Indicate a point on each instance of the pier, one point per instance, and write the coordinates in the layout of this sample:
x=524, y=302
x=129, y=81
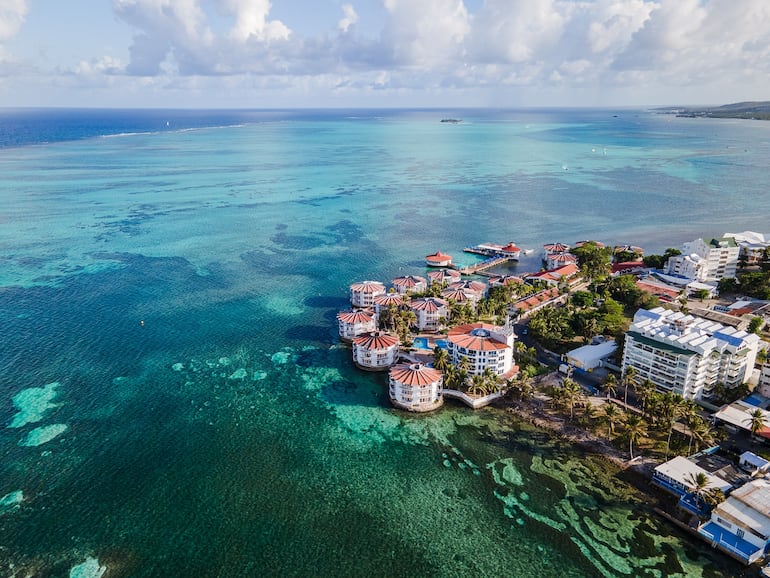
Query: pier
x=483, y=265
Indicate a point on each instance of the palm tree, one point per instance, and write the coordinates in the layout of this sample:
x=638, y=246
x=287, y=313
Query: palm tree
x=572, y=393
x=491, y=380
x=669, y=410
x=611, y=385
x=701, y=433
x=636, y=429
x=612, y=415
x=628, y=379
x=440, y=358
x=645, y=391
x=477, y=385
x=699, y=483
x=756, y=421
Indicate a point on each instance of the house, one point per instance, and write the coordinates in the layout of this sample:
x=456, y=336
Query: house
x=590, y=356
x=384, y=302
x=554, y=249
x=438, y=259
x=415, y=387
x=687, y=355
x=353, y=323
x=483, y=345
x=362, y=294
x=738, y=415
x=677, y=476
x=410, y=284
x=751, y=245
x=430, y=311
x=740, y=525
x=557, y=260
x=375, y=351
x=446, y=276
x=554, y=276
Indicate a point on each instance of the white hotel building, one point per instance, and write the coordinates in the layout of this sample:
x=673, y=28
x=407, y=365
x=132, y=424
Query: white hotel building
x=484, y=345
x=706, y=262
x=687, y=355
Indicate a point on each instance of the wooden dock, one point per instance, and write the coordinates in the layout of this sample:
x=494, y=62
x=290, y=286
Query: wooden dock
x=481, y=266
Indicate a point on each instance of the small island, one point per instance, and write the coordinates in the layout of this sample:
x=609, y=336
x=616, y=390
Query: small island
x=753, y=110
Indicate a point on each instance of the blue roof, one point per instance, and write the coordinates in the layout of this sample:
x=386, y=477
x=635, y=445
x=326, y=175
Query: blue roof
x=731, y=339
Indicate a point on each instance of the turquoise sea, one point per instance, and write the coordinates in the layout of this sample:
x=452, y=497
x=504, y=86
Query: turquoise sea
x=173, y=397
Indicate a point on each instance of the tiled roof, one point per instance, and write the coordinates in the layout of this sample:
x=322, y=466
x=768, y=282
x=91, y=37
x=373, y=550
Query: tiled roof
x=409, y=281
x=368, y=287
x=563, y=258
x=476, y=337
x=474, y=286
x=376, y=340
x=455, y=295
x=443, y=274
x=430, y=304
x=556, y=248
x=438, y=256
x=355, y=316
x=511, y=248
x=415, y=374
x=388, y=299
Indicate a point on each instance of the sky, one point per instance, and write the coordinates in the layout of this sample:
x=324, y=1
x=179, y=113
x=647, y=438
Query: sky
x=382, y=53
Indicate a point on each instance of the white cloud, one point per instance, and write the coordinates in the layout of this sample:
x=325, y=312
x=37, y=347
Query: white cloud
x=12, y=15
x=251, y=21
x=350, y=17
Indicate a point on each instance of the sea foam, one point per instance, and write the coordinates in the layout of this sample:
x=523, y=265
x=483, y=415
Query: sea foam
x=88, y=569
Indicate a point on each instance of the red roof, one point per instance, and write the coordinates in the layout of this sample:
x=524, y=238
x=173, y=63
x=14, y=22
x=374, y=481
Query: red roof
x=368, y=287
x=556, y=248
x=388, y=299
x=438, y=256
x=415, y=374
x=355, y=316
x=511, y=248
x=443, y=274
x=627, y=266
x=430, y=304
x=455, y=295
x=409, y=281
x=475, y=336
x=376, y=340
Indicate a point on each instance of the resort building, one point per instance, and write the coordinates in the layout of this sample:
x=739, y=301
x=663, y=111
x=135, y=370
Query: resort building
x=559, y=260
x=687, y=355
x=484, y=346
x=438, y=259
x=677, y=476
x=383, y=302
x=556, y=276
x=362, y=294
x=475, y=290
x=353, y=323
x=706, y=262
x=738, y=415
x=431, y=313
x=504, y=280
x=410, y=284
x=375, y=351
x=554, y=249
x=444, y=276
x=415, y=387
x=457, y=296
x=528, y=305
x=751, y=245
x=741, y=524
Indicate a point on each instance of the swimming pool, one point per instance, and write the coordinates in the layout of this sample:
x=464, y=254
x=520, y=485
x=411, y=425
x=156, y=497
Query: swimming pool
x=423, y=343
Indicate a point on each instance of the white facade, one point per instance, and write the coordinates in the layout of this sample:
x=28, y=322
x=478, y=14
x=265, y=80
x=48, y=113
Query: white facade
x=741, y=524
x=764, y=380
x=590, y=356
x=362, y=294
x=708, y=262
x=351, y=324
x=687, y=355
x=415, y=387
x=752, y=245
x=430, y=312
x=410, y=284
x=484, y=346
x=375, y=351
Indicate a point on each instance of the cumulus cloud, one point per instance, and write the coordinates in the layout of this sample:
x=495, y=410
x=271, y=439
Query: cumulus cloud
x=350, y=17
x=448, y=43
x=12, y=15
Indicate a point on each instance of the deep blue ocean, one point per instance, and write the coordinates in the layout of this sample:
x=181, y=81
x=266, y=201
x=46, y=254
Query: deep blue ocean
x=174, y=400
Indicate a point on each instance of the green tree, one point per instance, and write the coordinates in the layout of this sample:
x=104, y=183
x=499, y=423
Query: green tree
x=440, y=358
x=611, y=385
x=611, y=416
x=572, y=394
x=645, y=391
x=477, y=385
x=594, y=261
x=635, y=430
x=756, y=421
x=629, y=378
x=755, y=325
x=659, y=261
x=699, y=483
